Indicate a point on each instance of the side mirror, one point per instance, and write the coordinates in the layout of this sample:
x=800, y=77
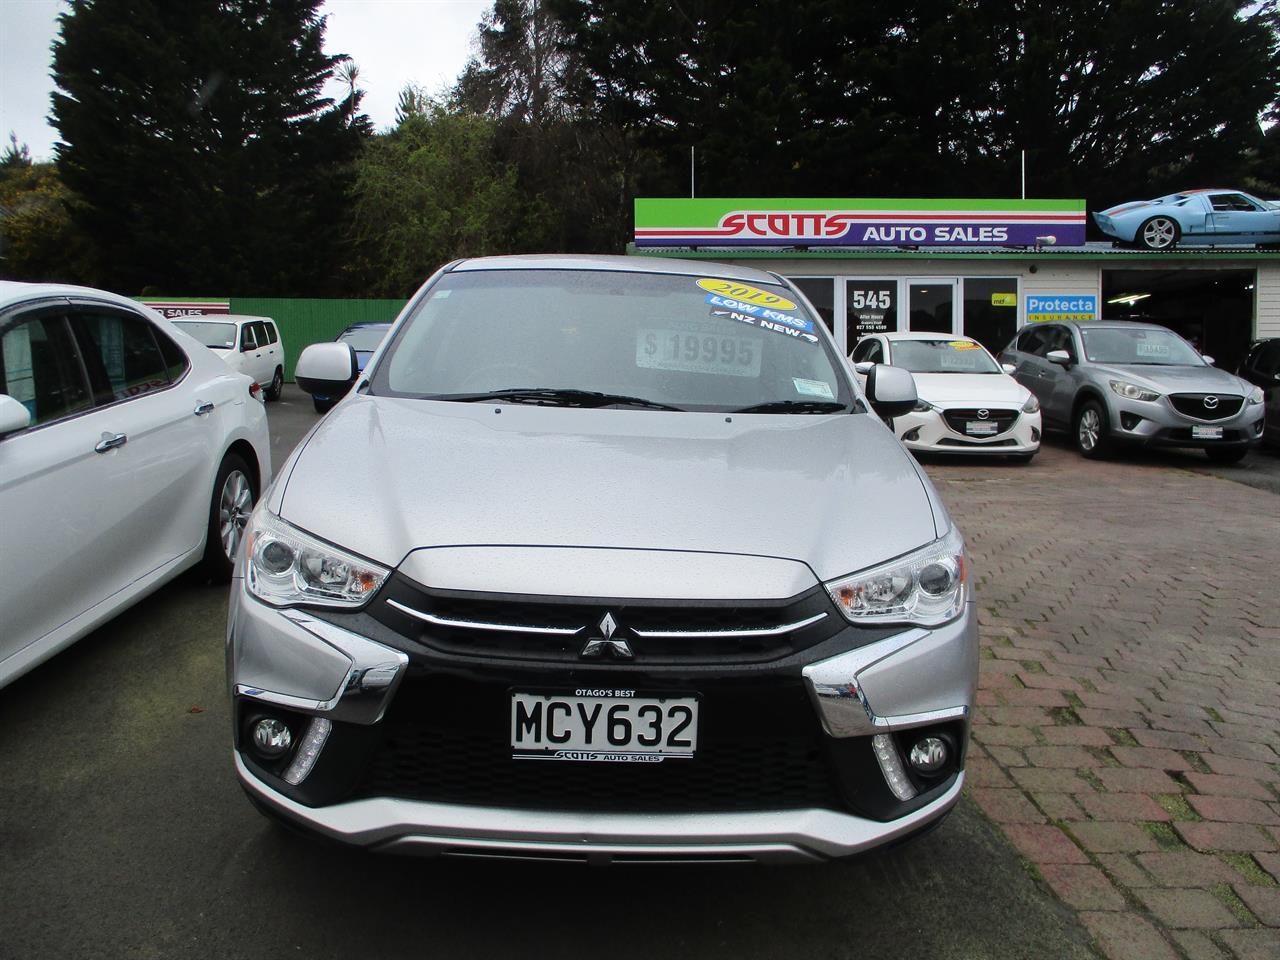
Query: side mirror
x=891, y=391
x=14, y=416
x=328, y=369
x=1060, y=357
x=1009, y=368
x=1207, y=359
x=863, y=367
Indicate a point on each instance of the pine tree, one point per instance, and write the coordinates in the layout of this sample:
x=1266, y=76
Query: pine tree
x=200, y=143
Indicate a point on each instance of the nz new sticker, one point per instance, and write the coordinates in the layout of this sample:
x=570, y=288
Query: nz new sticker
x=765, y=313
x=747, y=294
x=762, y=322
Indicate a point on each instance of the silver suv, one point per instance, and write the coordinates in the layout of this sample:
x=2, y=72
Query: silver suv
x=1112, y=383
x=603, y=559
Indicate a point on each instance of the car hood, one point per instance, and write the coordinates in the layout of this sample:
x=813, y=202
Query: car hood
x=385, y=476
x=970, y=389
x=1177, y=379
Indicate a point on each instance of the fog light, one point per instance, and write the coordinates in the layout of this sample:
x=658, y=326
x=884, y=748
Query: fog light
x=1035, y=435
x=271, y=737
x=912, y=435
x=928, y=755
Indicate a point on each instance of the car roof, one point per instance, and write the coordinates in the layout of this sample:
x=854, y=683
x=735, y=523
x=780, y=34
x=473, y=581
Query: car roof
x=617, y=264
x=891, y=336
x=1111, y=325
x=228, y=317
x=14, y=292
x=366, y=323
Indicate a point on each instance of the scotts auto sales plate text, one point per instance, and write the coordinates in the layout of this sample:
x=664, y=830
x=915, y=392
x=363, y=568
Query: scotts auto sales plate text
x=602, y=725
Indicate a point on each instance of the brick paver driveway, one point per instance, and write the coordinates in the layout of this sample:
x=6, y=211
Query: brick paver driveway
x=1129, y=713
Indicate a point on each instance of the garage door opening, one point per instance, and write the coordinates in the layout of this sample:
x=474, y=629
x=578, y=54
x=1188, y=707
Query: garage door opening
x=1213, y=309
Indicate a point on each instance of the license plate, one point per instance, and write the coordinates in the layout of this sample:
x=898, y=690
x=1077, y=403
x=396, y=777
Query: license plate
x=602, y=725
x=1206, y=433
x=981, y=428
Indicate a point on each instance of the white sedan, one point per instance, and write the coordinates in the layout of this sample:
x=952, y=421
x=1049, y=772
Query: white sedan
x=968, y=403
x=128, y=453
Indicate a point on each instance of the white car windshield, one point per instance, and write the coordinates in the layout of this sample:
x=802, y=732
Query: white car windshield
x=559, y=336
x=942, y=356
x=220, y=336
x=1138, y=346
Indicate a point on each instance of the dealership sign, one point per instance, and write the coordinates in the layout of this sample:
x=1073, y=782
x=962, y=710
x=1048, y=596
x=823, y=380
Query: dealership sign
x=738, y=222
x=187, y=307
x=1062, y=306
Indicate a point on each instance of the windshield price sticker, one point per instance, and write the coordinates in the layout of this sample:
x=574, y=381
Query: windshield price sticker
x=683, y=351
x=746, y=294
x=1151, y=349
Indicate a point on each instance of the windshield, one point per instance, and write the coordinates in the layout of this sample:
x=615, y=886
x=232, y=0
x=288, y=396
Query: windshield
x=219, y=335
x=363, y=339
x=942, y=356
x=1138, y=346
x=693, y=343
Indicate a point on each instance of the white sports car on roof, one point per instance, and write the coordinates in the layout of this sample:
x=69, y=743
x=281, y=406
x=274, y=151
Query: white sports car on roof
x=968, y=403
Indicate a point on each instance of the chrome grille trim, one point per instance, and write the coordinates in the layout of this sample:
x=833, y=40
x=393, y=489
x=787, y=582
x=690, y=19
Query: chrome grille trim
x=480, y=625
x=711, y=634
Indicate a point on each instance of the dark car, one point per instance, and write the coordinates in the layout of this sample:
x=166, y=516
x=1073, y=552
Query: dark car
x=364, y=339
x=1261, y=367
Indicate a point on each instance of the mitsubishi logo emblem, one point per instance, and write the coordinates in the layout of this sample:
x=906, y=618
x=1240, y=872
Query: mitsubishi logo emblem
x=983, y=414
x=597, y=646
x=1211, y=402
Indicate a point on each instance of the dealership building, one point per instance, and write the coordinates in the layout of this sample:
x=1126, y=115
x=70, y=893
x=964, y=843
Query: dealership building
x=976, y=268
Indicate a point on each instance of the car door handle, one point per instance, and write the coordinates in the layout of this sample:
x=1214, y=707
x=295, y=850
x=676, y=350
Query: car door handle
x=110, y=442
x=203, y=408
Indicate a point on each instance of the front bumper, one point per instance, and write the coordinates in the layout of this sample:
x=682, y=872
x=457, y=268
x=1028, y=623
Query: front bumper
x=289, y=660
x=928, y=432
x=1157, y=424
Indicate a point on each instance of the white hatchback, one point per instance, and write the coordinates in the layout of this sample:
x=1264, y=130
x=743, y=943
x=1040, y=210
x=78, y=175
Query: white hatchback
x=128, y=453
x=968, y=403
x=248, y=345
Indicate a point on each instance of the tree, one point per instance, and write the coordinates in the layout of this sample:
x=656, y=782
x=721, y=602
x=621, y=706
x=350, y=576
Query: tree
x=904, y=97
x=432, y=190
x=37, y=238
x=198, y=138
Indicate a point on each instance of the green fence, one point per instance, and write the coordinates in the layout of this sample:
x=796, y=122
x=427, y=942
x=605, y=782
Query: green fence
x=304, y=322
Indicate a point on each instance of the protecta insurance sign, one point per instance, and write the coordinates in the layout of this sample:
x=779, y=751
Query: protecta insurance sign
x=754, y=222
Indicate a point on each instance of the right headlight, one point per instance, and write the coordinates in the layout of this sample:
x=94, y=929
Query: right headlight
x=922, y=406
x=286, y=566
x=1256, y=396
x=1131, y=391
x=1032, y=405
x=927, y=587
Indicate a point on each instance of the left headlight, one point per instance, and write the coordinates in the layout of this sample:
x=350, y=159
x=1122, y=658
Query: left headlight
x=926, y=587
x=1256, y=396
x=284, y=566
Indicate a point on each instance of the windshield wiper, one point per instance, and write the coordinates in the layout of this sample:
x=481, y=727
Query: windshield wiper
x=556, y=396
x=796, y=406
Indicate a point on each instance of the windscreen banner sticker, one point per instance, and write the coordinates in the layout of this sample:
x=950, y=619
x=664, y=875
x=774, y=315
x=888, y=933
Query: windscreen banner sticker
x=964, y=345
x=799, y=323
x=740, y=291
x=813, y=388
x=761, y=322
x=684, y=351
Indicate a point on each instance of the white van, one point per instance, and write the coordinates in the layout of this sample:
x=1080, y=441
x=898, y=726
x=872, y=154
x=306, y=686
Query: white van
x=249, y=345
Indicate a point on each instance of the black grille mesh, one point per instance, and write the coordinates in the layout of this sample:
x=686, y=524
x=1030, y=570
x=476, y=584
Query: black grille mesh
x=1004, y=419
x=448, y=741
x=1193, y=405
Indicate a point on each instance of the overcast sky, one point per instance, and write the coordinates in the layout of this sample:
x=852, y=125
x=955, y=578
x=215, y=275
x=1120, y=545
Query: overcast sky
x=394, y=42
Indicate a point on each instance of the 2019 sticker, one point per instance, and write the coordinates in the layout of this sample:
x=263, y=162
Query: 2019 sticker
x=964, y=345
x=745, y=293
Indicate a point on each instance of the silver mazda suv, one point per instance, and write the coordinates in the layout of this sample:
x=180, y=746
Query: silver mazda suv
x=603, y=559
x=1119, y=382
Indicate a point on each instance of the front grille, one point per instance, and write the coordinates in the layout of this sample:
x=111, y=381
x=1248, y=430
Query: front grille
x=556, y=629
x=954, y=442
x=957, y=419
x=448, y=740
x=1194, y=405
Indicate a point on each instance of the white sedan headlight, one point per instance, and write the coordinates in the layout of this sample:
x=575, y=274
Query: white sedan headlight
x=1032, y=405
x=927, y=587
x=923, y=406
x=1131, y=391
x=1256, y=396
x=285, y=566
